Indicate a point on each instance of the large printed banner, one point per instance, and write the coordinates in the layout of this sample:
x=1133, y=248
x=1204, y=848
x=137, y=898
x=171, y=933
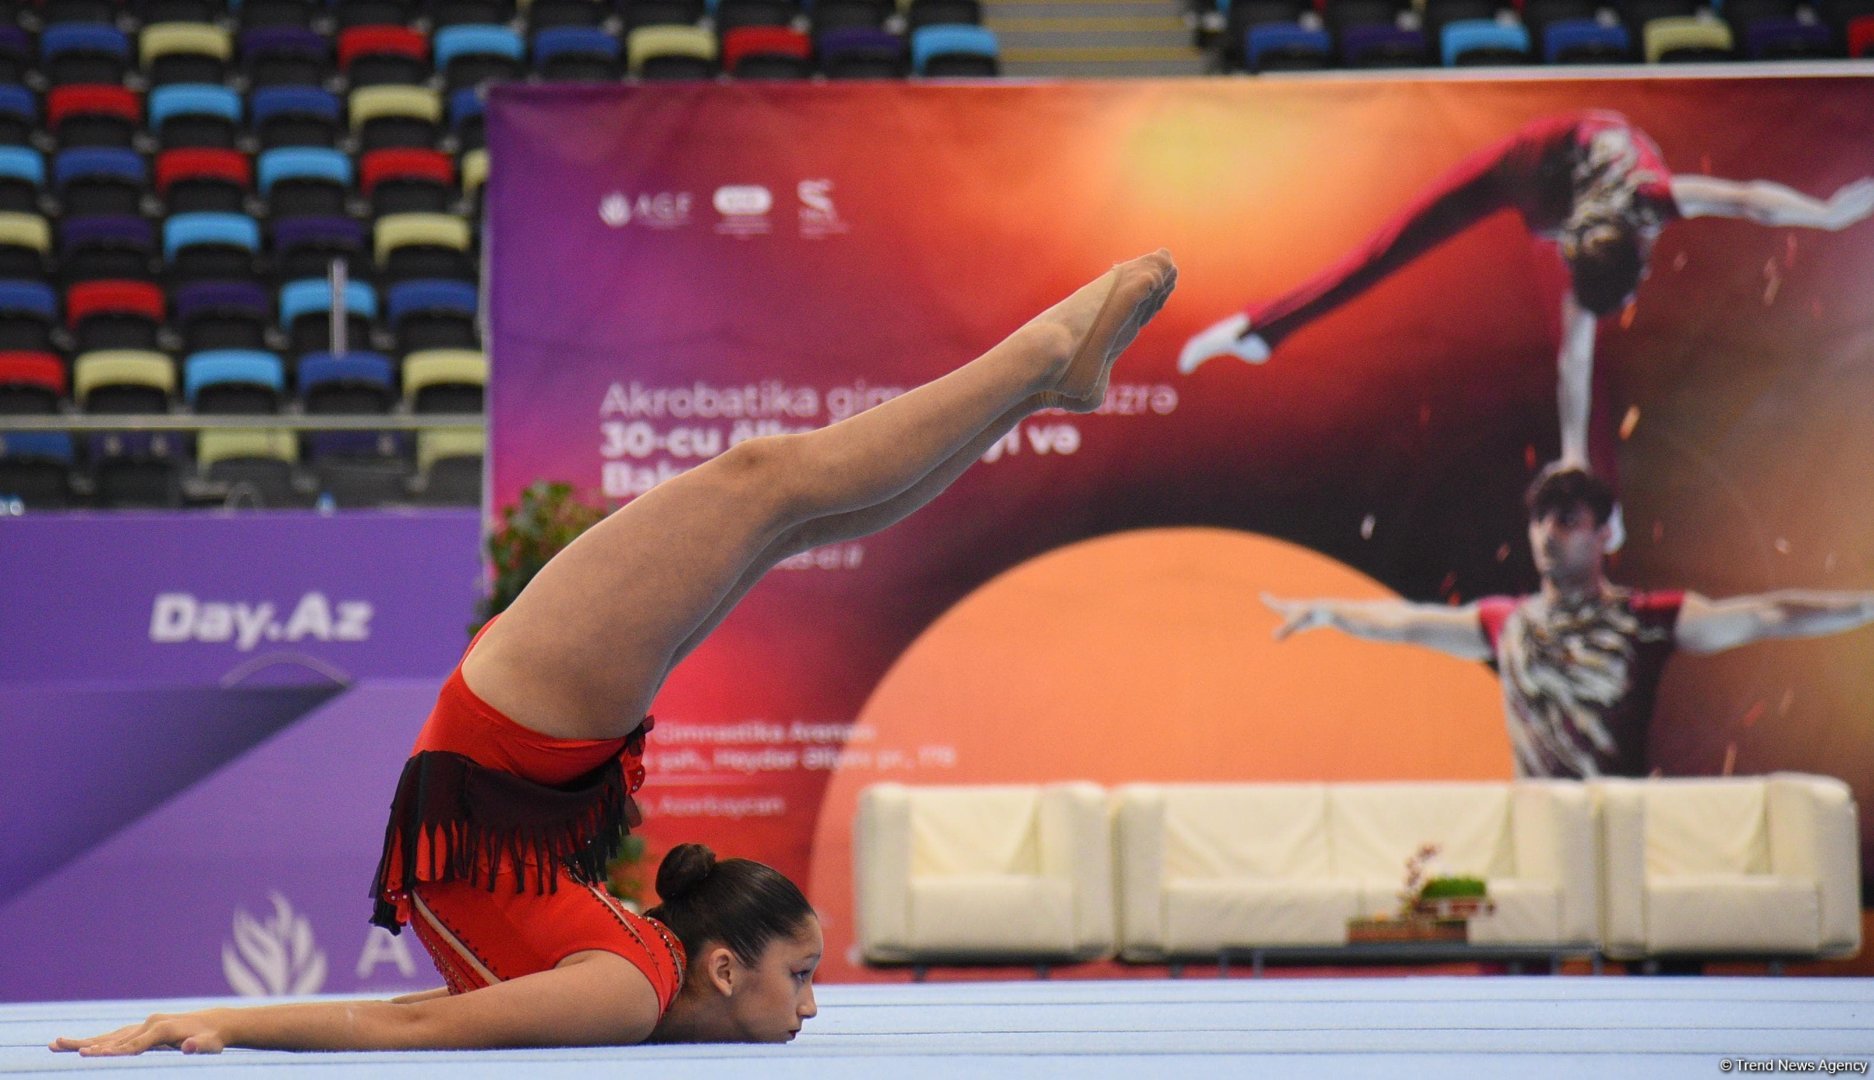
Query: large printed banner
x=201, y=719
x=675, y=269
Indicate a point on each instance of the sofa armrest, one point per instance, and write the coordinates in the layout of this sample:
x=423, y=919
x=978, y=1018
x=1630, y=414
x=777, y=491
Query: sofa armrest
x=1553, y=835
x=1813, y=837
x=881, y=852
x=1622, y=808
x=1076, y=847
x=1139, y=850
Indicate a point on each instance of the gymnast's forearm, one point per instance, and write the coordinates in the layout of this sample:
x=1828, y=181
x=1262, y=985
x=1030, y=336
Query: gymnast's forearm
x=1809, y=613
x=336, y=1025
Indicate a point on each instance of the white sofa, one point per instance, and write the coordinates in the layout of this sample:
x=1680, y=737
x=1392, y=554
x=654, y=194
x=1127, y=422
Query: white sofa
x=1205, y=868
x=989, y=874
x=1730, y=867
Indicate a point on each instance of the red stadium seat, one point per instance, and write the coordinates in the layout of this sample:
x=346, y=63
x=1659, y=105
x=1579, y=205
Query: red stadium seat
x=1860, y=35
x=202, y=179
x=400, y=180
x=767, y=51
x=30, y=382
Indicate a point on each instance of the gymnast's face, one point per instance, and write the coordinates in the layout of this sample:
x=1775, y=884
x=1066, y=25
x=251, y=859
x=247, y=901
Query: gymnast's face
x=1567, y=545
x=771, y=1000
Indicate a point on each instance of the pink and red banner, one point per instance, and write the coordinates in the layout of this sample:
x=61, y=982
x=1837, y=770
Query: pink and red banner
x=675, y=269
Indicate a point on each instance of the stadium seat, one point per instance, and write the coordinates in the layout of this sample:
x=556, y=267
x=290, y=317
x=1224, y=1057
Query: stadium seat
x=357, y=382
x=1344, y=15
x=859, y=53
x=830, y=15
x=553, y=14
x=1789, y=39
x=409, y=246
x=233, y=381
x=54, y=12
x=469, y=55
x=74, y=54
x=670, y=53
x=119, y=246
x=28, y=312
x=147, y=12
x=1539, y=15
x=285, y=56
x=92, y=180
x=305, y=313
x=445, y=380
x=306, y=247
x=93, y=115
x=731, y=15
x=383, y=56
x=123, y=381
x=924, y=13
x=19, y=112
x=1438, y=14
x=303, y=181
x=210, y=246
x=221, y=315
x=1483, y=44
x=204, y=180
x=348, y=14
x=385, y=116
x=255, y=464
x=431, y=314
x=1739, y=14
x=574, y=54
x=465, y=118
x=31, y=383
x=444, y=14
x=1385, y=46
x=1686, y=40
x=294, y=116
x=114, y=314
x=1279, y=47
x=1585, y=41
x=955, y=51
x=449, y=466
x=474, y=175
x=643, y=13
x=25, y=243
x=22, y=179
x=1860, y=34
x=1635, y=14
x=187, y=115
x=767, y=52
x=36, y=468
x=16, y=55
x=273, y=14
x=185, y=53
x=398, y=181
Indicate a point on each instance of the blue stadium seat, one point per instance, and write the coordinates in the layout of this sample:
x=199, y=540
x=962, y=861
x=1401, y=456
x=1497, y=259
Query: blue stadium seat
x=113, y=246
x=35, y=468
x=1485, y=41
x=311, y=296
x=432, y=314
x=304, y=181
x=1789, y=39
x=93, y=180
x=306, y=247
x=285, y=56
x=1382, y=46
x=574, y=52
x=860, y=52
x=184, y=231
x=16, y=55
x=22, y=178
x=294, y=116
x=954, y=50
x=28, y=312
x=357, y=382
x=221, y=314
x=72, y=54
x=1280, y=46
x=19, y=112
x=223, y=381
x=204, y=115
x=470, y=55
x=1585, y=41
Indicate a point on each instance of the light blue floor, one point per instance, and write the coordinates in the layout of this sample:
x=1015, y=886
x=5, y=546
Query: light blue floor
x=1566, y=1026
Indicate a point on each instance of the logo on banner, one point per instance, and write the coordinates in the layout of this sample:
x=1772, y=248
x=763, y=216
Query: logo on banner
x=275, y=956
x=818, y=217
x=181, y=617
x=744, y=209
x=656, y=210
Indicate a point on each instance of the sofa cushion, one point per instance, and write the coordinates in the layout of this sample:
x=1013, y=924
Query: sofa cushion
x=1202, y=917
x=974, y=831
x=1527, y=913
x=990, y=914
x=1725, y=913
x=1377, y=827
x=1712, y=827
x=1243, y=831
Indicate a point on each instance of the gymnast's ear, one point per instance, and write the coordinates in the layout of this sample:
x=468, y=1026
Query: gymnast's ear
x=720, y=969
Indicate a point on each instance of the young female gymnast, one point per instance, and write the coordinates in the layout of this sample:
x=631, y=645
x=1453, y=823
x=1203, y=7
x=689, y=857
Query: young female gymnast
x=527, y=765
x=1592, y=183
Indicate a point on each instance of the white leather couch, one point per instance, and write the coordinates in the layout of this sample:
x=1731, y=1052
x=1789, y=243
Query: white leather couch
x=1209, y=867
x=988, y=874
x=1728, y=867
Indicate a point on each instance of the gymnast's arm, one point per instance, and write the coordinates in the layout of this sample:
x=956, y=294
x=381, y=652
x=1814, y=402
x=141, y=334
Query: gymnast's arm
x=592, y=999
x=1707, y=626
x=1455, y=630
x=1768, y=203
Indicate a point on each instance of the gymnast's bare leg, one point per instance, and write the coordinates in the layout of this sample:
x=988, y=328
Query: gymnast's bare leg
x=586, y=645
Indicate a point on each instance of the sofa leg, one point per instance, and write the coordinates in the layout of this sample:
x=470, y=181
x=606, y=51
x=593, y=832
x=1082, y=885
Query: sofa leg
x=918, y=971
x=1223, y=965
x=1042, y=971
x=1776, y=968
x=1177, y=970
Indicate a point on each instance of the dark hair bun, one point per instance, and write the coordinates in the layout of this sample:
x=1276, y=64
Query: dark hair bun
x=683, y=869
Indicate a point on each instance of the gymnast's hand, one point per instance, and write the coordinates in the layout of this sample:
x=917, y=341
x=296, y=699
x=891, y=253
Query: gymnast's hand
x=1297, y=615
x=1851, y=203
x=192, y=1033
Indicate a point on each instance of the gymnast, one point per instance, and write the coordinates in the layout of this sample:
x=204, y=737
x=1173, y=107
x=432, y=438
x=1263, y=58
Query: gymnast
x=1591, y=182
x=521, y=781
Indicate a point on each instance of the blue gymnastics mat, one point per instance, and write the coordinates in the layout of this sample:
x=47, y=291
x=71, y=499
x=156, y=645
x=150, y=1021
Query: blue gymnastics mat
x=1506, y=1026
